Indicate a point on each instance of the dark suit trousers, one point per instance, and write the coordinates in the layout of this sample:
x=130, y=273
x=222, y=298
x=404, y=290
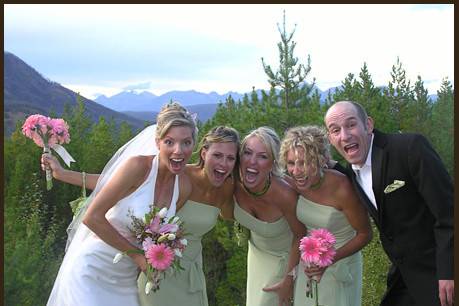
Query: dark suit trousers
x=397, y=293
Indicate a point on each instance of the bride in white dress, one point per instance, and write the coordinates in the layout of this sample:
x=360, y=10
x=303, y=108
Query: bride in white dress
x=146, y=170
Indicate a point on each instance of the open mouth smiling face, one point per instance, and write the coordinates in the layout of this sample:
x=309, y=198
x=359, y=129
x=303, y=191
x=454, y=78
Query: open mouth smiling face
x=348, y=134
x=296, y=168
x=256, y=164
x=176, y=147
x=220, y=159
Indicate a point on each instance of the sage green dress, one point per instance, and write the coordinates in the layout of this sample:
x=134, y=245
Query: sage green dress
x=341, y=284
x=267, y=258
x=185, y=287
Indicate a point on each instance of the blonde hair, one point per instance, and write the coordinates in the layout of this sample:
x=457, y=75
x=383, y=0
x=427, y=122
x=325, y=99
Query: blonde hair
x=272, y=142
x=174, y=114
x=218, y=134
x=313, y=140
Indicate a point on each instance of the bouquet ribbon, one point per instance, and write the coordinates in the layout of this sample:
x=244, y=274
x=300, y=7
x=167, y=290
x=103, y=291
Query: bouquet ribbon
x=62, y=152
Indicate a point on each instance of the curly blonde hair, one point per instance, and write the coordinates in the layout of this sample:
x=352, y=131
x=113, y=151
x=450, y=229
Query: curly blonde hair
x=174, y=114
x=313, y=140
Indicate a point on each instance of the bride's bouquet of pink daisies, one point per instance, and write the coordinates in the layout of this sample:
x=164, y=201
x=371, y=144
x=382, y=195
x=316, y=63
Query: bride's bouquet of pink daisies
x=48, y=133
x=163, y=243
x=317, y=249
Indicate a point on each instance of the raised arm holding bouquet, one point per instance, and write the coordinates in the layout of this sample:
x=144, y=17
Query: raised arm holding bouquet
x=48, y=133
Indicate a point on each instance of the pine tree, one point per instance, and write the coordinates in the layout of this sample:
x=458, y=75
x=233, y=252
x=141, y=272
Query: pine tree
x=125, y=134
x=79, y=127
x=367, y=90
x=373, y=101
x=421, y=109
x=442, y=131
x=290, y=76
x=100, y=146
x=400, y=95
x=348, y=91
x=254, y=97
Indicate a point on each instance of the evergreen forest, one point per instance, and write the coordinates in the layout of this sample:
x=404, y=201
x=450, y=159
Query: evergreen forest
x=35, y=220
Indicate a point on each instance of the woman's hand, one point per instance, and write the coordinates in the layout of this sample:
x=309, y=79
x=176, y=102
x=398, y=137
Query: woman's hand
x=314, y=272
x=139, y=260
x=284, y=291
x=50, y=162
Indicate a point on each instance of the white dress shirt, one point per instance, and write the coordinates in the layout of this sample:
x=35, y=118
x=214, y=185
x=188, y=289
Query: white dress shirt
x=363, y=175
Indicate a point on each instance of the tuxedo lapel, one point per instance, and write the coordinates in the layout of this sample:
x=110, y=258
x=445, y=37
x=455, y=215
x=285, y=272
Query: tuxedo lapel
x=378, y=166
x=363, y=196
x=377, y=174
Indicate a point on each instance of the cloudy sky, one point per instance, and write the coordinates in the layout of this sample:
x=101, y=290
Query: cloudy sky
x=104, y=49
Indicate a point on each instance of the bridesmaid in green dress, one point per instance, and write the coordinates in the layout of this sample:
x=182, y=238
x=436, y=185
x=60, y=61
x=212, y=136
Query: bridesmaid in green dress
x=326, y=200
x=211, y=196
x=265, y=204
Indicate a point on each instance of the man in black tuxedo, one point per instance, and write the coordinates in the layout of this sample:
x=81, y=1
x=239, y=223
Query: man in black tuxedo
x=409, y=195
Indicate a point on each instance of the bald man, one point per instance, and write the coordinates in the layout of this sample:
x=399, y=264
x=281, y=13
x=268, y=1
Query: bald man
x=409, y=194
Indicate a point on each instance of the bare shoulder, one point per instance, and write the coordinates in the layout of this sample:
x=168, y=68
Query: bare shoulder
x=340, y=185
x=189, y=169
x=185, y=185
x=137, y=166
x=140, y=161
x=282, y=189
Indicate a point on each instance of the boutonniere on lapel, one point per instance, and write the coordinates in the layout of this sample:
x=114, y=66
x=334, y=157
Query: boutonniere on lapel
x=394, y=186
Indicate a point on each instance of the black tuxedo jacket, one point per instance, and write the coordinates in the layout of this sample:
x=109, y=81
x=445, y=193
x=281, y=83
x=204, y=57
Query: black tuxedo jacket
x=415, y=221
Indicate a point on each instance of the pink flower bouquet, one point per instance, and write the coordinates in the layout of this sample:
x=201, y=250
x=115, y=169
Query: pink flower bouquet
x=317, y=249
x=163, y=243
x=48, y=133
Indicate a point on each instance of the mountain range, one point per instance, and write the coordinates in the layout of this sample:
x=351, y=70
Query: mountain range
x=146, y=101
x=27, y=92
x=143, y=104
x=134, y=101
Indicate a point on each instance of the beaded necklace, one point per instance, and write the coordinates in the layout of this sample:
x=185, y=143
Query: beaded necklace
x=259, y=193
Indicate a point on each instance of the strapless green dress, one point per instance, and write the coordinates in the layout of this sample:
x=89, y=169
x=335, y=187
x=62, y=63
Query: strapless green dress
x=185, y=287
x=267, y=258
x=341, y=284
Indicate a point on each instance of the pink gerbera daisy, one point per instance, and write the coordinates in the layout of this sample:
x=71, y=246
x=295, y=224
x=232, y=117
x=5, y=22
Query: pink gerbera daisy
x=324, y=235
x=326, y=258
x=310, y=249
x=160, y=256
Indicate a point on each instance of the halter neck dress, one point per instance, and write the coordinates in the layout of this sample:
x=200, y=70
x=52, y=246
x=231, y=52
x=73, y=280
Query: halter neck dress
x=91, y=278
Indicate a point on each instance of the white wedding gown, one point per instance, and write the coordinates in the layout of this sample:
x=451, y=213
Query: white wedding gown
x=89, y=277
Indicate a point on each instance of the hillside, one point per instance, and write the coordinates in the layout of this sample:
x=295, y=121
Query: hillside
x=27, y=92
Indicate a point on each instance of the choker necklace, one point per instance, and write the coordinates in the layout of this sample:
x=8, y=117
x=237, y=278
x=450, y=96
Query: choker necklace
x=317, y=185
x=259, y=193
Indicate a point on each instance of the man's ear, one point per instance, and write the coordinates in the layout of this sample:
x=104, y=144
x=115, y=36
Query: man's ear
x=370, y=125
